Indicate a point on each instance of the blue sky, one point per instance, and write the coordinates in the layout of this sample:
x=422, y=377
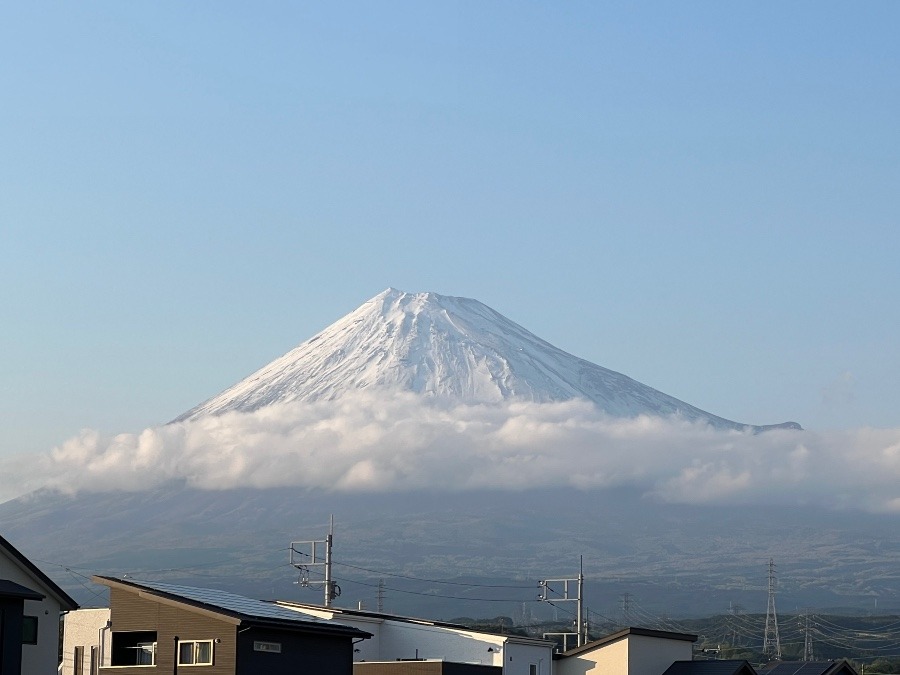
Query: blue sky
x=703, y=196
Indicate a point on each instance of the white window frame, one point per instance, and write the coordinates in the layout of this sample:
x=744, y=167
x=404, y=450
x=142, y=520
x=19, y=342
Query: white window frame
x=146, y=648
x=195, y=652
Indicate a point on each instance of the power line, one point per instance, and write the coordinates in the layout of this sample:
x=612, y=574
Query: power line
x=431, y=581
x=433, y=595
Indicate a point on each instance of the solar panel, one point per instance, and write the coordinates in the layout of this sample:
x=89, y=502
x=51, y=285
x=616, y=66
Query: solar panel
x=230, y=602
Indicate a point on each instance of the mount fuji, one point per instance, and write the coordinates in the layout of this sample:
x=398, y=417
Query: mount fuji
x=446, y=348
x=449, y=349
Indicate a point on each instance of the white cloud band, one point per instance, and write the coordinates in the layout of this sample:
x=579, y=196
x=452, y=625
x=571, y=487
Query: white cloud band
x=379, y=442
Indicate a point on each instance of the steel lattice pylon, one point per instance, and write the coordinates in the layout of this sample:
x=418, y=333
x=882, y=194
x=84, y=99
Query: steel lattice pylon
x=771, y=640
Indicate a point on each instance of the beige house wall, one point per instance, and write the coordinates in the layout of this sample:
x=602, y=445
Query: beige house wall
x=652, y=656
x=611, y=659
x=631, y=655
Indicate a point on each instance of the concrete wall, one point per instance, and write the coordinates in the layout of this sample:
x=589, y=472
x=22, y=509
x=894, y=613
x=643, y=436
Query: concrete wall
x=81, y=628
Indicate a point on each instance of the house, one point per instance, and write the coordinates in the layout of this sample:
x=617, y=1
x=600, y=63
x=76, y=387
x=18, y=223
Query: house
x=839, y=667
x=408, y=645
x=175, y=627
x=632, y=651
x=30, y=607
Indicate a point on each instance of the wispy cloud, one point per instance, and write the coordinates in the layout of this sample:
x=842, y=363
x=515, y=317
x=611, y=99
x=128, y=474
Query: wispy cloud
x=378, y=442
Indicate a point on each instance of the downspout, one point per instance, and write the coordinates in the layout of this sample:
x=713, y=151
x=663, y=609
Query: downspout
x=102, y=645
x=356, y=642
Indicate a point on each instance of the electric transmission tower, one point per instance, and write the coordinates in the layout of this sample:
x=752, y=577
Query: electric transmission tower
x=380, y=596
x=771, y=640
x=807, y=642
x=626, y=609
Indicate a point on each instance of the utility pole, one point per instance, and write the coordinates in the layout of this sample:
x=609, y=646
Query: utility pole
x=565, y=596
x=581, y=624
x=329, y=584
x=771, y=639
x=316, y=554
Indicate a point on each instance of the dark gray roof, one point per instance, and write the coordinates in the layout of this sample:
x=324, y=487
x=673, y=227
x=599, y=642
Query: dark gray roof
x=728, y=667
x=233, y=605
x=63, y=598
x=10, y=589
x=363, y=613
x=625, y=632
x=376, y=615
x=841, y=666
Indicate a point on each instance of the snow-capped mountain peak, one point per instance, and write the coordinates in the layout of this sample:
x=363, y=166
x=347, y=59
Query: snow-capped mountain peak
x=446, y=347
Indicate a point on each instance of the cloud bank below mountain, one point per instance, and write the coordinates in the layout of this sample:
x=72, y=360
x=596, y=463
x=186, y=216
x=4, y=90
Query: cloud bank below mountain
x=379, y=442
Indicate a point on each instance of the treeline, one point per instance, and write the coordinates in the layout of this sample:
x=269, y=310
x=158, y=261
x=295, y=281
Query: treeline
x=872, y=644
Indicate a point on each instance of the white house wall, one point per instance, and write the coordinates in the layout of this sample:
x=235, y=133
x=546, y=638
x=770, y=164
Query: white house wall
x=396, y=639
x=41, y=658
x=403, y=640
x=518, y=658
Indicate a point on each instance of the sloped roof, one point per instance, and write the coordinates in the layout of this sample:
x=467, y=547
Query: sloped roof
x=381, y=616
x=625, y=632
x=10, y=589
x=725, y=667
x=231, y=605
x=839, y=667
x=372, y=615
x=66, y=603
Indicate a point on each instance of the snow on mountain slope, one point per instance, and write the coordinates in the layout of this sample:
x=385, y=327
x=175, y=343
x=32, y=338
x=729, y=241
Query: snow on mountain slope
x=443, y=347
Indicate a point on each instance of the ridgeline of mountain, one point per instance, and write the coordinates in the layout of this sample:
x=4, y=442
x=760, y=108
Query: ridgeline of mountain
x=444, y=347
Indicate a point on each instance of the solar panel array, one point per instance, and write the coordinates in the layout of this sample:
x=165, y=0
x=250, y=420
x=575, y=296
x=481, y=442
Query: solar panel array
x=230, y=602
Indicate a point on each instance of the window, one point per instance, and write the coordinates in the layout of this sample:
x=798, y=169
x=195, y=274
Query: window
x=146, y=653
x=134, y=648
x=79, y=660
x=532, y=669
x=29, y=630
x=195, y=652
